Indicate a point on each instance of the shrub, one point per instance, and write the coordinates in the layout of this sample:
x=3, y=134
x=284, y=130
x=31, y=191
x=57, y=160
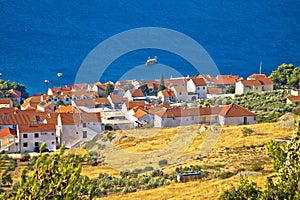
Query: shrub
x=256, y=167
x=247, y=131
x=148, y=168
x=163, y=163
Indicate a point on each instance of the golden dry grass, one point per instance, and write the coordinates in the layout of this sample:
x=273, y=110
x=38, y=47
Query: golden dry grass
x=209, y=189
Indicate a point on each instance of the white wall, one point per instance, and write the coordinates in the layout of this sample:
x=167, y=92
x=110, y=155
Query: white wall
x=236, y=120
x=48, y=137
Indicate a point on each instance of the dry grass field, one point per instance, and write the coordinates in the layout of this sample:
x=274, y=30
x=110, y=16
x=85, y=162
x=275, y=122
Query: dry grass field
x=225, y=150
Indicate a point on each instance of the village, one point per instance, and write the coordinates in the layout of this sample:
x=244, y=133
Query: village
x=74, y=114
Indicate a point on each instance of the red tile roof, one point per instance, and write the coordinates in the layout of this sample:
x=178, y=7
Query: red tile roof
x=64, y=109
x=257, y=76
x=214, y=90
x=116, y=98
x=8, y=131
x=77, y=118
x=251, y=83
x=234, y=110
x=137, y=93
x=131, y=104
x=31, y=128
x=294, y=98
x=266, y=81
x=198, y=81
x=140, y=113
x=5, y=100
x=168, y=93
x=225, y=80
x=184, y=112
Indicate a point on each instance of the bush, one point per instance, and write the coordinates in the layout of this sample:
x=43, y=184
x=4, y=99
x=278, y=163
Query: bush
x=163, y=163
x=247, y=131
x=148, y=168
x=246, y=190
x=256, y=167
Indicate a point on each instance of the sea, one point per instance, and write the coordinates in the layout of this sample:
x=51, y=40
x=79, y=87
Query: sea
x=39, y=39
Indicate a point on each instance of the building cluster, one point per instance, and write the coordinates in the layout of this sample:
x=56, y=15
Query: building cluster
x=74, y=114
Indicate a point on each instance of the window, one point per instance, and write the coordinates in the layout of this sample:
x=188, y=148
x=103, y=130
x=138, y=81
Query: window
x=36, y=135
x=84, y=124
x=52, y=133
x=203, y=88
x=67, y=99
x=179, y=93
x=193, y=118
x=52, y=142
x=25, y=135
x=198, y=88
x=84, y=134
x=25, y=144
x=36, y=144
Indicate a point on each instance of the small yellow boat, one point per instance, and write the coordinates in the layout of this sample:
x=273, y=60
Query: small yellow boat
x=59, y=74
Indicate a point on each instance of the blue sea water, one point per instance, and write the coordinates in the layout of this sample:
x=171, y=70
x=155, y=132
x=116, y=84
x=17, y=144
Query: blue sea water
x=38, y=39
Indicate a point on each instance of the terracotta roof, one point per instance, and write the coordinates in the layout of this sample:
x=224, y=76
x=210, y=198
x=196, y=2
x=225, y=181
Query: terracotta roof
x=31, y=128
x=294, y=98
x=257, y=76
x=5, y=100
x=225, y=80
x=140, y=113
x=131, y=104
x=234, y=110
x=84, y=102
x=77, y=118
x=168, y=93
x=116, y=98
x=102, y=101
x=180, y=88
x=251, y=83
x=198, y=81
x=214, y=90
x=64, y=109
x=15, y=93
x=9, y=110
x=10, y=119
x=175, y=82
x=266, y=81
x=136, y=93
x=153, y=86
x=184, y=112
x=8, y=131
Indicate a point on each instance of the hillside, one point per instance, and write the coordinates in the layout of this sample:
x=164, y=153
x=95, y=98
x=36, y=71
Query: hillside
x=231, y=153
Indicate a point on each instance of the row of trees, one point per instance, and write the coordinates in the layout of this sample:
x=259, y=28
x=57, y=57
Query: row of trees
x=284, y=184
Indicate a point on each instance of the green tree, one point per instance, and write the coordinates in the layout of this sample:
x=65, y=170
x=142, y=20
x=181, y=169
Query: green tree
x=161, y=83
x=54, y=176
x=109, y=89
x=145, y=89
x=277, y=154
x=282, y=75
x=247, y=190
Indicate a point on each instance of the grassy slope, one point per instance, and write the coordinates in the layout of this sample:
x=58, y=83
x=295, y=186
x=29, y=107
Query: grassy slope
x=233, y=152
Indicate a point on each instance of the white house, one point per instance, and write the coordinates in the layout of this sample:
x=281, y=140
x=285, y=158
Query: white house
x=46, y=107
x=167, y=96
x=8, y=140
x=33, y=135
x=180, y=116
x=133, y=94
x=234, y=114
x=76, y=128
x=197, y=86
x=181, y=93
x=292, y=99
x=255, y=83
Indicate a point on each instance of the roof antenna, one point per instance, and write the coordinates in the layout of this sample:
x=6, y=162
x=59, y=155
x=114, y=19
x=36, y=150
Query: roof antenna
x=260, y=67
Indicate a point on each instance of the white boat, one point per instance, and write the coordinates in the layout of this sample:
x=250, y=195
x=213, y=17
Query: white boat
x=151, y=61
x=59, y=74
